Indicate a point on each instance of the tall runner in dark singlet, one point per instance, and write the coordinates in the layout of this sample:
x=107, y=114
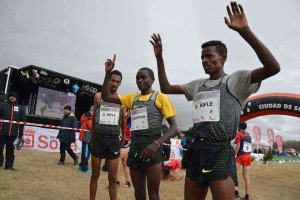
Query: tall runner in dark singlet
x=217, y=103
x=105, y=139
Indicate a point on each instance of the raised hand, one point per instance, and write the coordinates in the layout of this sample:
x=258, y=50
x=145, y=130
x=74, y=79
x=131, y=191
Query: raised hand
x=157, y=45
x=110, y=64
x=237, y=19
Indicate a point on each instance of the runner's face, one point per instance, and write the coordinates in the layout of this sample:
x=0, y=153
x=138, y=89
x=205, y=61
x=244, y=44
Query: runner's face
x=212, y=61
x=143, y=80
x=114, y=83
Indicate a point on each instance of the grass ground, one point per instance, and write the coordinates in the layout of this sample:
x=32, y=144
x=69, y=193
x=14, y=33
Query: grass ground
x=38, y=178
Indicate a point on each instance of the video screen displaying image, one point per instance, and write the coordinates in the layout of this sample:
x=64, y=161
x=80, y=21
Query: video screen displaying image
x=50, y=103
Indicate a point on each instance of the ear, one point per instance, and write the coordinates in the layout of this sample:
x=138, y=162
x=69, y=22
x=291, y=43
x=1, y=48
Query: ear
x=223, y=59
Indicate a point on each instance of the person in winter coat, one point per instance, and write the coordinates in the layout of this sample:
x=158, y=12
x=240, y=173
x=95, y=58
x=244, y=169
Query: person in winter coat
x=67, y=137
x=9, y=131
x=85, y=137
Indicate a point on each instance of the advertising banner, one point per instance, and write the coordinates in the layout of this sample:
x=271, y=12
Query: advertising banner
x=176, y=153
x=44, y=139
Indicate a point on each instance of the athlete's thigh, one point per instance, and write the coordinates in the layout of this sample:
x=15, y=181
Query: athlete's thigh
x=113, y=166
x=96, y=163
x=238, y=166
x=123, y=153
x=153, y=175
x=246, y=170
x=194, y=191
x=222, y=189
x=138, y=178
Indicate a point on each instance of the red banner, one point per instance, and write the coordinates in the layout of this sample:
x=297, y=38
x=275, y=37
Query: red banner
x=279, y=141
x=270, y=133
x=256, y=135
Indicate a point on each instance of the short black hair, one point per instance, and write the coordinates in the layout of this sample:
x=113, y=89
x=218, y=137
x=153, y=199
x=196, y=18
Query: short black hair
x=243, y=125
x=166, y=170
x=68, y=107
x=116, y=72
x=151, y=73
x=13, y=94
x=220, y=47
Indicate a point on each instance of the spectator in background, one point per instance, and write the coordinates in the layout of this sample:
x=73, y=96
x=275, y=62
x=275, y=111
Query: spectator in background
x=186, y=142
x=66, y=136
x=85, y=137
x=125, y=147
x=10, y=110
x=171, y=170
x=166, y=148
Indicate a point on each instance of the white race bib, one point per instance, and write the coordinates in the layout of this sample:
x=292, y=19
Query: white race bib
x=16, y=108
x=109, y=115
x=247, y=147
x=139, y=119
x=206, y=106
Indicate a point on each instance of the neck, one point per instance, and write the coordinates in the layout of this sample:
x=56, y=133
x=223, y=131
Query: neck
x=216, y=76
x=145, y=92
x=113, y=92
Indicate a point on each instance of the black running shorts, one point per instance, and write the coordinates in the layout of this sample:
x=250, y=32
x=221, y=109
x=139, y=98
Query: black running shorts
x=106, y=147
x=209, y=161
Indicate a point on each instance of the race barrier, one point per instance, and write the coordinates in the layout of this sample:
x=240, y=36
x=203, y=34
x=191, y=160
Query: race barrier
x=42, y=137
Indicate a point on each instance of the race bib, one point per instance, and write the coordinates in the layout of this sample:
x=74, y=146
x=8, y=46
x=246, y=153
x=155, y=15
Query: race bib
x=247, y=147
x=139, y=119
x=109, y=115
x=206, y=106
x=16, y=108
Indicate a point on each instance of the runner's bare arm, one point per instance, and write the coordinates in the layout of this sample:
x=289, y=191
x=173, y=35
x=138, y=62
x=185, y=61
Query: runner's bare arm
x=238, y=22
x=150, y=151
x=165, y=86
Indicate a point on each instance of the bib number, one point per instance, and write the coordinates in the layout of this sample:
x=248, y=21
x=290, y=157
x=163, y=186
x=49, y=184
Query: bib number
x=247, y=147
x=206, y=106
x=109, y=115
x=139, y=119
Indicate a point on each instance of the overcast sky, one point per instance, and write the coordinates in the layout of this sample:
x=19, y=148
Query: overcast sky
x=75, y=37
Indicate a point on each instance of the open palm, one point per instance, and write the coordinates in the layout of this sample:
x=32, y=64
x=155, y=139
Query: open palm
x=237, y=18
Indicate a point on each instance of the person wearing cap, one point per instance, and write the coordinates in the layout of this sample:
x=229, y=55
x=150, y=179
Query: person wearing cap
x=67, y=137
x=9, y=131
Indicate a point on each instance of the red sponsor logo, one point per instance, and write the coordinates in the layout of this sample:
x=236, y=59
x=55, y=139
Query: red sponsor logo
x=29, y=138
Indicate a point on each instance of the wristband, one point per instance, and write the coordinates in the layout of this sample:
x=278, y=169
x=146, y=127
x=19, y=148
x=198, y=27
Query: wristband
x=157, y=143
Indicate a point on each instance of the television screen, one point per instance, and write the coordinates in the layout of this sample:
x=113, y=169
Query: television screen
x=50, y=103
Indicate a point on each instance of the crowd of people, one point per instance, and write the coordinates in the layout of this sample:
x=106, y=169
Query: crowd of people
x=210, y=160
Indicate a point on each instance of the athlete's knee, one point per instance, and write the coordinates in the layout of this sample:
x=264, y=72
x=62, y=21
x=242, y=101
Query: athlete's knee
x=124, y=162
x=153, y=195
x=95, y=174
x=140, y=194
x=112, y=179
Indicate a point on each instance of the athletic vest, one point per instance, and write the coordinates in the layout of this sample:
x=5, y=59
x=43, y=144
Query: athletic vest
x=105, y=129
x=245, y=144
x=225, y=129
x=154, y=116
